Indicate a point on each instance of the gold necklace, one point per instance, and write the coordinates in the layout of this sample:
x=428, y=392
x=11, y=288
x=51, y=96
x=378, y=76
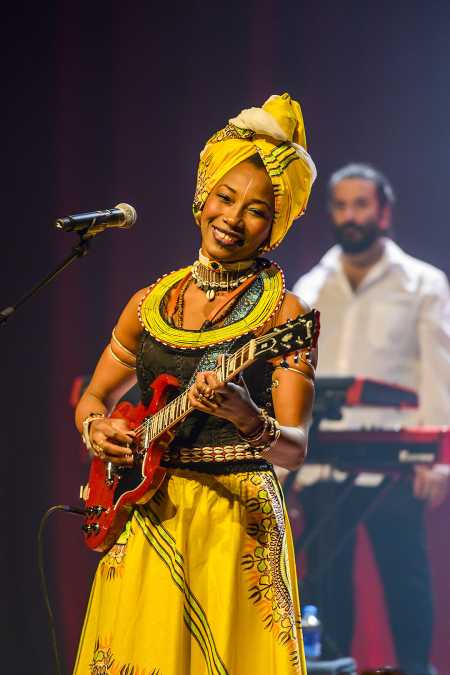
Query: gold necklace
x=212, y=276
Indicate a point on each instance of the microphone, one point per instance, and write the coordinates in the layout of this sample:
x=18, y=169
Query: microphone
x=95, y=222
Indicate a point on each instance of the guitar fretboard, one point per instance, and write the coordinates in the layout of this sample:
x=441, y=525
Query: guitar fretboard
x=175, y=411
x=293, y=335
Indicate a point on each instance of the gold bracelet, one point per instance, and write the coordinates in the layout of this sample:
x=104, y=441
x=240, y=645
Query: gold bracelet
x=254, y=439
x=270, y=433
x=116, y=358
x=299, y=372
x=86, y=424
x=116, y=339
x=274, y=435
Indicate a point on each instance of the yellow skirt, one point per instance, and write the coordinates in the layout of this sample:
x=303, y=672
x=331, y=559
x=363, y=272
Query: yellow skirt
x=201, y=582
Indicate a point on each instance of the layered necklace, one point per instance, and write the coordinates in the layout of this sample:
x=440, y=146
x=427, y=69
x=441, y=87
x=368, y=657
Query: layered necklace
x=264, y=301
x=211, y=276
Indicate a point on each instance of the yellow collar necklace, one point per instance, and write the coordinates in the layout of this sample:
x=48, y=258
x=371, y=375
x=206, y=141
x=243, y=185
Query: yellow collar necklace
x=264, y=307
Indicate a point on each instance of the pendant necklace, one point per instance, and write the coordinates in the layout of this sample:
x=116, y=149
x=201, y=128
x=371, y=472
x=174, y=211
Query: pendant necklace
x=212, y=276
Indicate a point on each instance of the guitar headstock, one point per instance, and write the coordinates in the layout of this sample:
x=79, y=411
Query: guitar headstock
x=294, y=335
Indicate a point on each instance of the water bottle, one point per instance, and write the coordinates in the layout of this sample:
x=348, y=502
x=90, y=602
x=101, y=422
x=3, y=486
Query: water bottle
x=312, y=630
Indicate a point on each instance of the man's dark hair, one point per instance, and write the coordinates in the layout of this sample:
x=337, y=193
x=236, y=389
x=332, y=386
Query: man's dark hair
x=384, y=189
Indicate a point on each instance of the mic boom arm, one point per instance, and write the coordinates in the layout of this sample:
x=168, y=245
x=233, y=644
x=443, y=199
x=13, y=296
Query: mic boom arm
x=122, y=216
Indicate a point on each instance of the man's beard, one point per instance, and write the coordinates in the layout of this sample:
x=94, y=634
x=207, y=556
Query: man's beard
x=355, y=238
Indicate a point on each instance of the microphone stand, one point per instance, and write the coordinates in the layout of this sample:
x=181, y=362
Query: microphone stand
x=78, y=251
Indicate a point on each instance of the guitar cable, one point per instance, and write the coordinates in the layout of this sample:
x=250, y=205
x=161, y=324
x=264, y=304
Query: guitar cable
x=74, y=510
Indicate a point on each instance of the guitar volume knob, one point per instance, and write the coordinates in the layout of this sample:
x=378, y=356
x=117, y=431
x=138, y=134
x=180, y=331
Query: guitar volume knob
x=91, y=528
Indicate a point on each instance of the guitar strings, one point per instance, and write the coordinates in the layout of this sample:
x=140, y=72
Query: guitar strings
x=142, y=428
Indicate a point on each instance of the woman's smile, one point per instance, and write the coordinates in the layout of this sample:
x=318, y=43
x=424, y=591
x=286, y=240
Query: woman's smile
x=226, y=238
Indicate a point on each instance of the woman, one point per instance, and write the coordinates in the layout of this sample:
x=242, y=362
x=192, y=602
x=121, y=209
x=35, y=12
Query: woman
x=202, y=579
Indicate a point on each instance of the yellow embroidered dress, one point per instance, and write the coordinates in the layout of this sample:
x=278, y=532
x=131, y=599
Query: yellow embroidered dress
x=202, y=581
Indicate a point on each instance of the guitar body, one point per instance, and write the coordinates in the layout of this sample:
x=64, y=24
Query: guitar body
x=111, y=491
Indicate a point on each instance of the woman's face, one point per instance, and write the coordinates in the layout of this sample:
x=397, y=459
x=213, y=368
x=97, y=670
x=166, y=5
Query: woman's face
x=238, y=213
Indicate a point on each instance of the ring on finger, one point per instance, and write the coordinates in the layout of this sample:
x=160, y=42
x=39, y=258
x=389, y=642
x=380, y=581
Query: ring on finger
x=98, y=449
x=215, y=397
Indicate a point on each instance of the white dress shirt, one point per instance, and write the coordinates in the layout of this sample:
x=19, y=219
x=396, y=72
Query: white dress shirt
x=394, y=327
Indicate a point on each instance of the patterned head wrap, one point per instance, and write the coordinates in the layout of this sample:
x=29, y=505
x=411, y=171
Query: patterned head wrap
x=276, y=132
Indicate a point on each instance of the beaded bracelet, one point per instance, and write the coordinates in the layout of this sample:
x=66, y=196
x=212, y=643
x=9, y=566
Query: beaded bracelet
x=274, y=435
x=254, y=438
x=270, y=427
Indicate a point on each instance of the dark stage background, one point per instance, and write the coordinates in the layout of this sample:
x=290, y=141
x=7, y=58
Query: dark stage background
x=111, y=102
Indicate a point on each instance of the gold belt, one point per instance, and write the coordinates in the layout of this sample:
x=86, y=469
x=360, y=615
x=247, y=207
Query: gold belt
x=218, y=453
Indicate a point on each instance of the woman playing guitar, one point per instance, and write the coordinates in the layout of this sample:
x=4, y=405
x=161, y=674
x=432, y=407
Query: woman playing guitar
x=202, y=578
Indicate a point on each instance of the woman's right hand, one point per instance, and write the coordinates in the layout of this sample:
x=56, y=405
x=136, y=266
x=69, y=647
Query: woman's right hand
x=112, y=440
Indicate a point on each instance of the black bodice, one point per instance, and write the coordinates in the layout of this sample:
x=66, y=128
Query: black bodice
x=199, y=429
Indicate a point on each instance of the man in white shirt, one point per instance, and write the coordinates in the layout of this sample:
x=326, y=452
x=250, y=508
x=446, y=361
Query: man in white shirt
x=385, y=315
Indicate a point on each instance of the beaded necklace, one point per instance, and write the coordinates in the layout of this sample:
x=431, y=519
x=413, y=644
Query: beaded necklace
x=259, y=302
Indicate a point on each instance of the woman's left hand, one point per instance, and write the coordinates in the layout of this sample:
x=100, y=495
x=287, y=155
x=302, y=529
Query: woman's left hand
x=230, y=401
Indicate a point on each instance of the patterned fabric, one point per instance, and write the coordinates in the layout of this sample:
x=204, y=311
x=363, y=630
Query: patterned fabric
x=201, y=582
x=276, y=133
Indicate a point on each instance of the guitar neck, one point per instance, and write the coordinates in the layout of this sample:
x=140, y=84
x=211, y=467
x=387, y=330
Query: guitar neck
x=293, y=335
x=175, y=411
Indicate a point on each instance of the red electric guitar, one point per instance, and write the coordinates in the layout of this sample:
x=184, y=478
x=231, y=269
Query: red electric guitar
x=112, y=491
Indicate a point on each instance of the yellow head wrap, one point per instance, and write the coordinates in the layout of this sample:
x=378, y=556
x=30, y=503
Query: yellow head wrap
x=276, y=132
